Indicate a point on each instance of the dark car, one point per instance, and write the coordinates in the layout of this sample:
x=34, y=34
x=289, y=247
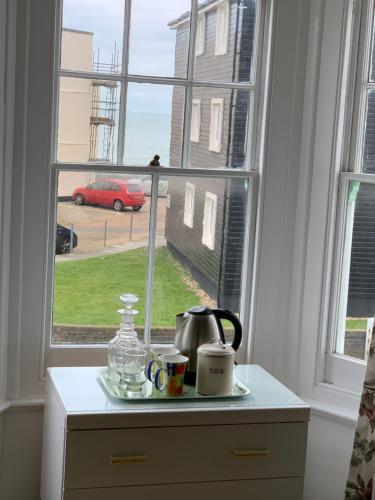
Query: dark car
x=63, y=235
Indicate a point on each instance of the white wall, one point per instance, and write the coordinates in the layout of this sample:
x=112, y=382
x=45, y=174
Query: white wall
x=329, y=448
x=22, y=451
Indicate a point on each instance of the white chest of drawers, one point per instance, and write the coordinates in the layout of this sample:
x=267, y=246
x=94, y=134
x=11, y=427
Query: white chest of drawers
x=98, y=448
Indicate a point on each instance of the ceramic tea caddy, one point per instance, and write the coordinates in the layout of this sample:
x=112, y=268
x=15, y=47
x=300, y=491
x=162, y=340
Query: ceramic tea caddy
x=215, y=369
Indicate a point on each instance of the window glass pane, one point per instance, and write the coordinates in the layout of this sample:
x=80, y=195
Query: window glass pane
x=157, y=44
x=87, y=120
x=92, y=33
x=368, y=158
x=357, y=293
x=154, y=124
x=372, y=54
x=110, y=236
x=187, y=272
x=223, y=128
x=228, y=49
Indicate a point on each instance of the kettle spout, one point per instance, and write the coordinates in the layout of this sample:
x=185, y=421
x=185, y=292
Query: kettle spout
x=181, y=321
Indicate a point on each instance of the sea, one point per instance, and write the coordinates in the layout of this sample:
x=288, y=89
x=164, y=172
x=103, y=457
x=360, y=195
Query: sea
x=147, y=135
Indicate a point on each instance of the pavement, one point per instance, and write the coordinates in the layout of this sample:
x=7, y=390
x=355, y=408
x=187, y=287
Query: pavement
x=101, y=252
x=102, y=231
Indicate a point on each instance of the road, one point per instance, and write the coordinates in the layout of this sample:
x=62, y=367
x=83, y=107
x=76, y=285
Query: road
x=102, y=228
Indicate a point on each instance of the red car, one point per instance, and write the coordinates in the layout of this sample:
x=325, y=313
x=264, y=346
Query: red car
x=111, y=193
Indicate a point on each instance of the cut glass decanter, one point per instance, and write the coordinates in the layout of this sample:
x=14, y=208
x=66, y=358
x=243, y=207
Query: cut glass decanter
x=126, y=338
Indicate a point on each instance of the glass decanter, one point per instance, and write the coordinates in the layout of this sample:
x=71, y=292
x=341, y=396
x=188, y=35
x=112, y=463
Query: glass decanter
x=126, y=338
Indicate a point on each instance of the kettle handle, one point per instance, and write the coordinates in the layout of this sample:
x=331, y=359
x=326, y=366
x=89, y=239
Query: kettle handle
x=232, y=318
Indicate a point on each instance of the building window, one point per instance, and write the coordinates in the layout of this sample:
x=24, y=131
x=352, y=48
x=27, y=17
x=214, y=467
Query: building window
x=222, y=28
x=195, y=120
x=201, y=34
x=189, y=205
x=209, y=220
x=216, y=125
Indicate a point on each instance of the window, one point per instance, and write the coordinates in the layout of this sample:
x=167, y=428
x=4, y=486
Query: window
x=115, y=187
x=201, y=34
x=189, y=205
x=222, y=28
x=209, y=220
x=112, y=116
x=134, y=188
x=195, y=120
x=348, y=292
x=356, y=287
x=216, y=125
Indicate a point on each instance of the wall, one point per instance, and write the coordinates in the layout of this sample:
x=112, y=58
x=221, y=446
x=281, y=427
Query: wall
x=204, y=263
x=329, y=439
x=20, y=465
x=328, y=453
x=74, y=100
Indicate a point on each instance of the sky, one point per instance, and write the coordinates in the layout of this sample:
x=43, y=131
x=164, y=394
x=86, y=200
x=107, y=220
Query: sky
x=152, y=42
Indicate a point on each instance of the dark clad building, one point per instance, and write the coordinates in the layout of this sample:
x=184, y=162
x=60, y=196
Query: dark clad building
x=206, y=217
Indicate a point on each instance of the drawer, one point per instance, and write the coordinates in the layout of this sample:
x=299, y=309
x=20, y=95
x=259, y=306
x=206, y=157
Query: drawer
x=123, y=457
x=260, y=489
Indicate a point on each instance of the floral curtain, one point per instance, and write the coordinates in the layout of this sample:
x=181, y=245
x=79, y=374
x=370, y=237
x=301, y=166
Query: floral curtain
x=362, y=464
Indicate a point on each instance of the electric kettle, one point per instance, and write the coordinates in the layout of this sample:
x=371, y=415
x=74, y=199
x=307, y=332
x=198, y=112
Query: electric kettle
x=198, y=326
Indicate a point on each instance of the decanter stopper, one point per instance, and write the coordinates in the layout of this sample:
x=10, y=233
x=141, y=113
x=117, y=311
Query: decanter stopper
x=128, y=314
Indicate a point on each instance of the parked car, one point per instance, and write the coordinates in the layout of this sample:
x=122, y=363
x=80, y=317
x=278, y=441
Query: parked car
x=63, y=239
x=112, y=193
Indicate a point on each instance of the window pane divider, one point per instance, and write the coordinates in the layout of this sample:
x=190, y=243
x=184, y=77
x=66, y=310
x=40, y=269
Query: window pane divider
x=133, y=169
x=358, y=176
x=188, y=90
x=151, y=259
x=123, y=83
x=160, y=80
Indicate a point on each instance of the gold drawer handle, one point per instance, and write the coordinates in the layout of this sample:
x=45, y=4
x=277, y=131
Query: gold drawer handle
x=136, y=459
x=251, y=453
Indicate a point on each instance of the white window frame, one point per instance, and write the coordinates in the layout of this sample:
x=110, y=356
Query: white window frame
x=200, y=41
x=341, y=369
x=330, y=380
x=195, y=120
x=222, y=28
x=37, y=171
x=209, y=220
x=189, y=205
x=216, y=126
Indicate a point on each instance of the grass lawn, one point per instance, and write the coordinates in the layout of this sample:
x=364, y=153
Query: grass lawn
x=87, y=291
x=356, y=324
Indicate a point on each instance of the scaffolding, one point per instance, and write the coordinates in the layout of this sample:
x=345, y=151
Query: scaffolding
x=104, y=108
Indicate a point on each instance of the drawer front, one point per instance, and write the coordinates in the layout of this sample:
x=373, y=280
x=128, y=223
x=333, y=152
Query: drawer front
x=263, y=489
x=123, y=457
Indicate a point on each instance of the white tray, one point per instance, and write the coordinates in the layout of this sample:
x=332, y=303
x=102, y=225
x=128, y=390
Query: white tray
x=151, y=394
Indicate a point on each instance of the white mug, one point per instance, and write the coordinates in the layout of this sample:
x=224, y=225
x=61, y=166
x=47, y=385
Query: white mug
x=170, y=377
x=154, y=363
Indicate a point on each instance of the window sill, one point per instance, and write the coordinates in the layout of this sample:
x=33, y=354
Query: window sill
x=333, y=402
x=31, y=404
x=332, y=412
x=4, y=405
